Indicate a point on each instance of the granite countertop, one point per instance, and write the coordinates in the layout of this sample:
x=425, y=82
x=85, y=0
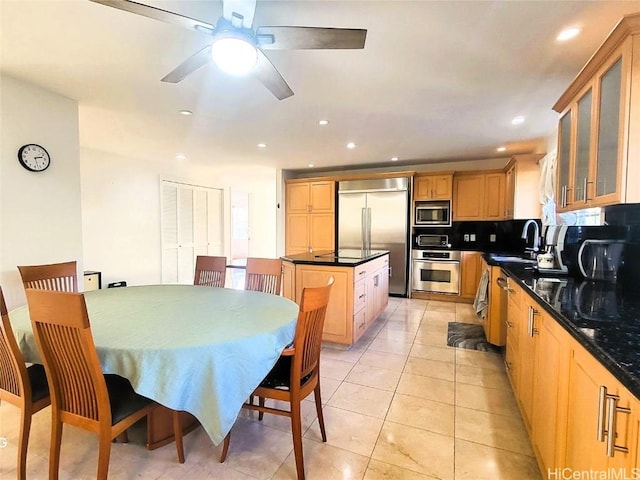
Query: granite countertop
x=603, y=317
x=341, y=258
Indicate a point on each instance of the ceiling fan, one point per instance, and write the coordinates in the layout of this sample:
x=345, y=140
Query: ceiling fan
x=237, y=47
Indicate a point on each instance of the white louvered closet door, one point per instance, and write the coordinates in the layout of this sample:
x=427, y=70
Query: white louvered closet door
x=192, y=224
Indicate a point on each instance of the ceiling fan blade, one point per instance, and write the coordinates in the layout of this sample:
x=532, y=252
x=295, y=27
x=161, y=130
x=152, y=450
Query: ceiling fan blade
x=239, y=12
x=269, y=76
x=299, y=38
x=158, y=14
x=190, y=65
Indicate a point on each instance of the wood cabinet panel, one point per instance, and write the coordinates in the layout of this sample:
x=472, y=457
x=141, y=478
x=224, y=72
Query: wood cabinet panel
x=470, y=271
x=433, y=187
x=310, y=217
x=467, y=190
x=494, y=196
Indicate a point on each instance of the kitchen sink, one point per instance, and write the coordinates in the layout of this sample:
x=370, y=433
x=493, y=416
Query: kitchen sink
x=512, y=259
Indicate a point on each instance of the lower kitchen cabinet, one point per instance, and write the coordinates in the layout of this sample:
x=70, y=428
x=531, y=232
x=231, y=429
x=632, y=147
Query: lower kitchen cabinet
x=470, y=271
x=558, y=386
x=602, y=418
x=494, y=326
x=549, y=390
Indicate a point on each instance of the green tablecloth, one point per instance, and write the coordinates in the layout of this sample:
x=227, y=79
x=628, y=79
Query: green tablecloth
x=198, y=349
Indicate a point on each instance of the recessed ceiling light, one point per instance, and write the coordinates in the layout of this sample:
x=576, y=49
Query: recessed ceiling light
x=311, y=165
x=501, y=149
x=568, y=34
x=262, y=145
x=394, y=159
x=180, y=156
x=323, y=122
x=186, y=113
x=517, y=120
x=351, y=145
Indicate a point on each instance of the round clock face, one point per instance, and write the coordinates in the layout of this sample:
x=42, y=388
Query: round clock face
x=34, y=157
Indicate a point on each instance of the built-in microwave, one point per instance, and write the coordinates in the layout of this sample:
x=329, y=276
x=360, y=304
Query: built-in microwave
x=436, y=213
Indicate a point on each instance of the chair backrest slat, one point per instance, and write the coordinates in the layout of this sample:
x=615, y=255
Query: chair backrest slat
x=264, y=275
x=13, y=370
x=210, y=271
x=61, y=277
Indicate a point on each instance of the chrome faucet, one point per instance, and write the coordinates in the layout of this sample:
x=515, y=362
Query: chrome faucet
x=536, y=236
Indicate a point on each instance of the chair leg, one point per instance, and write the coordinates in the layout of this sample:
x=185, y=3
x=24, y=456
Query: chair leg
x=225, y=447
x=104, y=453
x=261, y=403
x=296, y=430
x=177, y=433
x=54, y=452
x=23, y=442
x=316, y=393
x=124, y=438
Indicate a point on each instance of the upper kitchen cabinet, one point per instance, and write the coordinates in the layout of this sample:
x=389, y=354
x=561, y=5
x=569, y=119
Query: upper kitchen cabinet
x=433, y=187
x=599, y=126
x=522, y=187
x=478, y=196
x=310, y=197
x=310, y=216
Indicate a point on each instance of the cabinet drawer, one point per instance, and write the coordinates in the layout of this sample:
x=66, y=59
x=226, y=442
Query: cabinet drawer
x=359, y=295
x=361, y=271
x=359, y=324
x=515, y=294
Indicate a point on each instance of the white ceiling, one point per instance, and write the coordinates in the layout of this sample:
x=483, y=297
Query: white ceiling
x=437, y=80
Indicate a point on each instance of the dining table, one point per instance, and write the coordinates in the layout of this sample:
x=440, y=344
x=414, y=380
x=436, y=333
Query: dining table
x=197, y=349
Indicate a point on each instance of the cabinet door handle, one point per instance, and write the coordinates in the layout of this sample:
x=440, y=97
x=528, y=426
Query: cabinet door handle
x=602, y=397
x=612, y=401
x=508, y=324
x=362, y=296
x=531, y=330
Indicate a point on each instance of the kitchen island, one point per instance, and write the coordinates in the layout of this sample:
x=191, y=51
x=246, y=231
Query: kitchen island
x=359, y=294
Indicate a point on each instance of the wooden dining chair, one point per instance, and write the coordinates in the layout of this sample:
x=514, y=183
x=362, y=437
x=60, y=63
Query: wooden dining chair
x=61, y=277
x=263, y=275
x=210, y=271
x=297, y=371
x=81, y=395
x=22, y=386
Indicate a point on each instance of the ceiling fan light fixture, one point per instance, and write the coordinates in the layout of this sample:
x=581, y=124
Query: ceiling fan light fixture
x=234, y=54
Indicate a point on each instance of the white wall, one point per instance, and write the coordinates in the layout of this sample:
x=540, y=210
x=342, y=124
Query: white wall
x=121, y=210
x=39, y=212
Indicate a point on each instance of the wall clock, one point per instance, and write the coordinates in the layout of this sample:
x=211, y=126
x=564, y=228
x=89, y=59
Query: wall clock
x=34, y=157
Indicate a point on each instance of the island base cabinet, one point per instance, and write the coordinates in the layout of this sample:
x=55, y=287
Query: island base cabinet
x=337, y=322
x=358, y=296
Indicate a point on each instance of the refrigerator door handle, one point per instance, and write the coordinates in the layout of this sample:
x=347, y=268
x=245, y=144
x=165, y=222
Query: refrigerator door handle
x=363, y=228
x=368, y=246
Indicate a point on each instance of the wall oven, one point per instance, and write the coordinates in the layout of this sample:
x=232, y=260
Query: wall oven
x=436, y=271
x=433, y=214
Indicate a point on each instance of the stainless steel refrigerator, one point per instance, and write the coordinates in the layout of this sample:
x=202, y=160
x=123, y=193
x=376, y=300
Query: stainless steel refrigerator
x=373, y=215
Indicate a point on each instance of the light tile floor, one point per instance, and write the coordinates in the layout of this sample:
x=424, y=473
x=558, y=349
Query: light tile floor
x=400, y=404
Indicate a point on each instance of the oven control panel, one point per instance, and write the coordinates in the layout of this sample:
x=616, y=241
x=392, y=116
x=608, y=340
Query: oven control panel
x=437, y=255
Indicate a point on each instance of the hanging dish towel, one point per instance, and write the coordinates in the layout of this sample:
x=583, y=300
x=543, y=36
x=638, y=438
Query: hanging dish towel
x=480, y=304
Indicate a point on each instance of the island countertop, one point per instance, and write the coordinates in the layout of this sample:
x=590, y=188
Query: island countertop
x=341, y=258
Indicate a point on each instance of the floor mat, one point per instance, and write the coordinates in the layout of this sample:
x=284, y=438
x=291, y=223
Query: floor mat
x=469, y=336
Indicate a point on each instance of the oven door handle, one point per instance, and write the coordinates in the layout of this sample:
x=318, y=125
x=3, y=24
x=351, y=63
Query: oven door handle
x=438, y=262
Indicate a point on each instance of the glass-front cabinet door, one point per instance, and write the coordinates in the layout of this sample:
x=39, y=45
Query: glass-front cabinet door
x=610, y=137
x=564, y=161
x=583, y=150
